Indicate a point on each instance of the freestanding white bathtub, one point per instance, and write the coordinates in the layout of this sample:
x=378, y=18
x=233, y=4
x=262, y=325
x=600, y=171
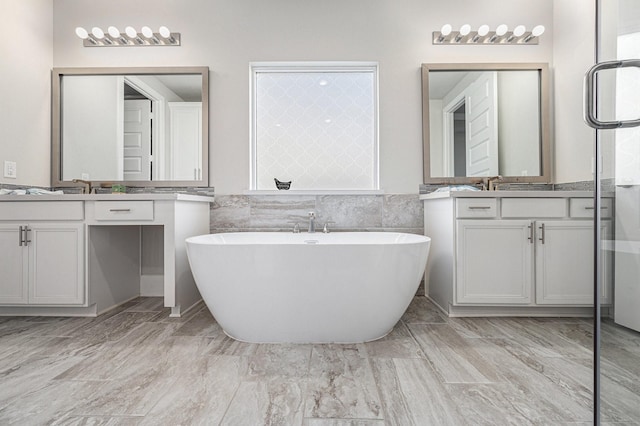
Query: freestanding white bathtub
x=342, y=287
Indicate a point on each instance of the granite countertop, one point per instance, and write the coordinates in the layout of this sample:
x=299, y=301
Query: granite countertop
x=507, y=194
x=108, y=197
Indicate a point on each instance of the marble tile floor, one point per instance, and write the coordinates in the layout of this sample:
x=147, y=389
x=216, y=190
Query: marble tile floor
x=136, y=366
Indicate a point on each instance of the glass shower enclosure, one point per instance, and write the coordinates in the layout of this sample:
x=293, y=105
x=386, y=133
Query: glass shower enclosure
x=612, y=107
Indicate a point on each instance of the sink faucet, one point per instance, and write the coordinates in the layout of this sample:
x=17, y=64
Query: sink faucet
x=491, y=183
x=312, y=222
x=87, y=185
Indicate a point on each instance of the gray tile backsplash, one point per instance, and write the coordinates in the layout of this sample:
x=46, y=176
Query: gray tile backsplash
x=351, y=211
x=393, y=212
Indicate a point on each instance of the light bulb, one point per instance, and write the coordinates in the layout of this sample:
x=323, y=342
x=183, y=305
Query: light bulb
x=97, y=33
x=146, y=31
x=131, y=32
x=501, y=30
x=164, y=32
x=519, y=30
x=482, y=31
x=113, y=32
x=465, y=30
x=537, y=31
x=82, y=33
x=446, y=30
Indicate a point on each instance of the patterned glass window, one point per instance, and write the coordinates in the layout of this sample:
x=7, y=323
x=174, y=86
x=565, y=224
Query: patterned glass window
x=315, y=125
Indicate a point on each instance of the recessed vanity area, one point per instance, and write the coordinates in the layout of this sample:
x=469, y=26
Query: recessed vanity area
x=80, y=255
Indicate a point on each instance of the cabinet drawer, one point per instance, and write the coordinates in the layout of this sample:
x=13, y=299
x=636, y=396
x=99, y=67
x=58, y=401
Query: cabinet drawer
x=583, y=207
x=124, y=210
x=476, y=207
x=41, y=210
x=534, y=207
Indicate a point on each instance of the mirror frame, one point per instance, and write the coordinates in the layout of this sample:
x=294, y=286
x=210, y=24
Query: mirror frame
x=56, y=128
x=545, y=138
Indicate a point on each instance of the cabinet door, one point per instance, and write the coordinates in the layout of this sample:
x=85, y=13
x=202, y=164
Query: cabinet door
x=564, y=263
x=13, y=266
x=56, y=264
x=494, y=262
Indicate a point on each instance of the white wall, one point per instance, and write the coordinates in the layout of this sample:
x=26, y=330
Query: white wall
x=227, y=35
x=26, y=57
x=573, y=55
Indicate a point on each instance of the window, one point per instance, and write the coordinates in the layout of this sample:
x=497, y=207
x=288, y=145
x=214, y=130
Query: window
x=315, y=125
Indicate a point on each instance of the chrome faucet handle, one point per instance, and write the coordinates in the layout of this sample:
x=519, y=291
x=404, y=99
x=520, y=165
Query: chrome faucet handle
x=296, y=226
x=312, y=215
x=325, y=228
x=493, y=182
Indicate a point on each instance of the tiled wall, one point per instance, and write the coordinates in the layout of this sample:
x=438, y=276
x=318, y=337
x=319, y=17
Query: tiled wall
x=391, y=212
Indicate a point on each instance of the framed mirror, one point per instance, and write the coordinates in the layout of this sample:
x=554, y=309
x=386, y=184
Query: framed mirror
x=130, y=126
x=483, y=120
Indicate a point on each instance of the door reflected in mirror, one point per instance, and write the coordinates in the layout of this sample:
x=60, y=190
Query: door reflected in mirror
x=484, y=120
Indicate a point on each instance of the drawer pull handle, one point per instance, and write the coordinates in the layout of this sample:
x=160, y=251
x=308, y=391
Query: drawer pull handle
x=119, y=210
x=541, y=233
x=21, y=240
x=593, y=208
x=479, y=207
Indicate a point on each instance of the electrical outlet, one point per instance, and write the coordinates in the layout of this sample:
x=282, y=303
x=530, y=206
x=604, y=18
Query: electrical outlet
x=10, y=169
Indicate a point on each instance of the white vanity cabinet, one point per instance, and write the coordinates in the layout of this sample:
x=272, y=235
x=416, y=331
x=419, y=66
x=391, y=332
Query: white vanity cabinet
x=510, y=253
x=43, y=258
x=494, y=262
x=564, y=263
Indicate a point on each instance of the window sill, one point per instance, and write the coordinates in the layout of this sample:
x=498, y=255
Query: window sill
x=315, y=192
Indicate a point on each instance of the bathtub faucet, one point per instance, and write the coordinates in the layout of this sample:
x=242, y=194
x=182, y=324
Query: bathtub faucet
x=312, y=222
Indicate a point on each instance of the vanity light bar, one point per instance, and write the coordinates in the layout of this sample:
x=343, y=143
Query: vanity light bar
x=130, y=38
x=483, y=36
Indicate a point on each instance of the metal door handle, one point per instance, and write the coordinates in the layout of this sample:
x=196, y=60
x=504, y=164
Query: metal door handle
x=590, y=98
x=26, y=235
x=20, y=239
x=530, y=237
x=542, y=233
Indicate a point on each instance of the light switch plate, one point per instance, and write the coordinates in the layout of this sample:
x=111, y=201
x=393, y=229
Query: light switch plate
x=10, y=169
